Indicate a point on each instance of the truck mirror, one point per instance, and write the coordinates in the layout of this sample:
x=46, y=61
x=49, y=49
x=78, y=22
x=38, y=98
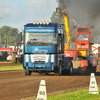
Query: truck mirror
x=60, y=29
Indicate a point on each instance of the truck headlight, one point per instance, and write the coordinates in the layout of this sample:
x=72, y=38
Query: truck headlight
x=27, y=58
x=52, y=58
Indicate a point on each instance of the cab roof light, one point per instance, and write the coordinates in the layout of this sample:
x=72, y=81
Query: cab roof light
x=47, y=22
x=34, y=22
x=74, y=26
x=37, y=22
x=40, y=22
x=91, y=26
x=44, y=22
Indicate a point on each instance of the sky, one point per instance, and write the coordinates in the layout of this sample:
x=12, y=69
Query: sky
x=17, y=13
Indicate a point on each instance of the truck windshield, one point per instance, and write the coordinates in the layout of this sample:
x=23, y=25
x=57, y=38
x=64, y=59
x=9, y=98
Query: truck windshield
x=82, y=37
x=40, y=38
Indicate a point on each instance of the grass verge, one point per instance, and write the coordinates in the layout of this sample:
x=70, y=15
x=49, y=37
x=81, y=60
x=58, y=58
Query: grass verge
x=76, y=95
x=7, y=68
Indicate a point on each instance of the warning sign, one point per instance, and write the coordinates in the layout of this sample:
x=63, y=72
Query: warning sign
x=93, y=85
x=95, y=48
x=42, y=95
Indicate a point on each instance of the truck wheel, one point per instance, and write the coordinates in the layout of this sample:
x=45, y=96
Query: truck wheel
x=60, y=69
x=22, y=59
x=56, y=71
x=18, y=61
x=13, y=59
x=27, y=72
x=71, y=70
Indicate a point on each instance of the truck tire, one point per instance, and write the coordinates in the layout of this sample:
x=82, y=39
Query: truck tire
x=5, y=54
x=58, y=70
x=1, y=55
x=18, y=60
x=27, y=72
x=70, y=71
x=13, y=59
x=21, y=59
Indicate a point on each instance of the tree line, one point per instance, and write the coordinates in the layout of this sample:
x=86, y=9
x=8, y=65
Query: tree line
x=10, y=34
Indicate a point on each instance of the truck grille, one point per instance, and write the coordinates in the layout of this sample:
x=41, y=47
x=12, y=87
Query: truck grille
x=39, y=58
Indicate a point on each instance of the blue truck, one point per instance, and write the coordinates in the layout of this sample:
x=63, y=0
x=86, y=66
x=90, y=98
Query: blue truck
x=44, y=49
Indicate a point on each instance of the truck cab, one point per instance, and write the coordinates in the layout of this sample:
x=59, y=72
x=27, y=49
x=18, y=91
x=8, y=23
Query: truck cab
x=43, y=42
x=83, y=47
x=82, y=39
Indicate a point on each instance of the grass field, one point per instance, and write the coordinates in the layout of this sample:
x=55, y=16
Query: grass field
x=5, y=68
x=76, y=95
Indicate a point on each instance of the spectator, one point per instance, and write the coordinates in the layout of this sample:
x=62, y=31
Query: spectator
x=15, y=49
x=84, y=37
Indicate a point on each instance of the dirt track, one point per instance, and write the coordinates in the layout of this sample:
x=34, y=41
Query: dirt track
x=14, y=85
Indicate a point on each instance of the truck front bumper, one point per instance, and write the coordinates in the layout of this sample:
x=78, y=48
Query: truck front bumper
x=37, y=67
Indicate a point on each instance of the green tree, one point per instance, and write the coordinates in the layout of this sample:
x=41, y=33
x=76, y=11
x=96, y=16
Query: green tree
x=54, y=17
x=10, y=33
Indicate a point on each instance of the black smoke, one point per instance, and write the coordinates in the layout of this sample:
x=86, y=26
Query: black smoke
x=63, y=3
x=89, y=7
x=83, y=13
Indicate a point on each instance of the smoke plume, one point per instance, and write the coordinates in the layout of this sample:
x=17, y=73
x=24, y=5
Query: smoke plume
x=83, y=12
x=81, y=8
x=63, y=3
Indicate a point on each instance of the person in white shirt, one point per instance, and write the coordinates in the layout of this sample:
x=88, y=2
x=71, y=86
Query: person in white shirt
x=85, y=38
